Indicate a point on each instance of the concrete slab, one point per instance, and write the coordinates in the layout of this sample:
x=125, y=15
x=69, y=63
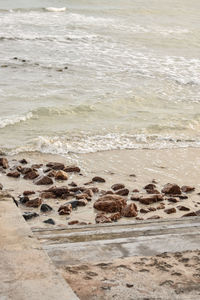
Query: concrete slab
x=26, y=272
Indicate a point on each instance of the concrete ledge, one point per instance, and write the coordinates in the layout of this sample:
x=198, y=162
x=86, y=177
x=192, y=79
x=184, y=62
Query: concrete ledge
x=26, y=271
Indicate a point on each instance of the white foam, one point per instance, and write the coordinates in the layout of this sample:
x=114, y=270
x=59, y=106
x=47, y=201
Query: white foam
x=11, y=120
x=55, y=9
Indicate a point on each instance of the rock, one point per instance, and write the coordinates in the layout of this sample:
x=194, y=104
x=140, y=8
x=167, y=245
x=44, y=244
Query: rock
x=52, y=173
x=161, y=206
x=109, y=193
x=24, y=200
x=116, y=216
x=123, y=192
x=29, y=215
x=88, y=183
x=4, y=162
x=144, y=211
x=190, y=214
x=72, y=184
x=98, y=179
x=173, y=200
x=14, y=174
x=135, y=191
x=61, y=175
x=47, y=195
x=150, y=186
x=153, y=191
x=34, y=203
x=184, y=208
x=110, y=203
x=139, y=218
x=24, y=170
x=182, y=197
x=49, y=221
x=117, y=186
x=187, y=189
x=73, y=222
x=94, y=189
x=1, y=186
x=70, y=169
x=171, y=210
x=151, y=199
x=36, y=166
x=82, y=202
x=45, y=208
x=55, y=165
x=102, y=218
x=89, y=192
x=152, y=208
x=23, y=161
x=172, y=189
x=136, y=198
x=31, y=175
x=65, y=209
x=58, y=191
x=74, y=203
x=77, y=189
x=132, y=175
x=129, y=211
x=44, y=180
x=27, y=193
x=155, y=217
x=82, y=196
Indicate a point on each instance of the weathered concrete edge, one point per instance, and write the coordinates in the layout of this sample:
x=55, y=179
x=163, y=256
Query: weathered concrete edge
x=26, y=271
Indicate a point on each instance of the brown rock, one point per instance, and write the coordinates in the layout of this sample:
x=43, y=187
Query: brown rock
x=117, y=186
x=14, y=174
x=109, y=193
x=190, y=214
x=123, y=192
x=36, y=166
x=82, y=202
x=184, y=208
x=155, y=217
x=135, y=191
x=73, y=222
x=24, y=170
x=95, y=189
x=74, y=169
x=144, y=211
x=27, y=193
x=55, y=165
x=52, y=173
x=110, y=203
x=23, y=161
x=44, y=180
x=4, y=162
x=139, y=218
x=58, y=191
x=150, y=186
x=61, y=175
x=77, y=189
x=31, y=175
x=116, y=216
x=102, y=218
x=136, y=198
x=47, y=195
x=172, y=189
x=82, y=196
x=65, y=209
x=187, y=189
x=34, y=203
x=173, y=200
x=152, y=208
x=1, y=186
x=161, y=206
x=171, y=210
x=129, y=211
x=72, y=184
x=149, y=199
x=153, y=191
x=89, y=192
x=98, y=179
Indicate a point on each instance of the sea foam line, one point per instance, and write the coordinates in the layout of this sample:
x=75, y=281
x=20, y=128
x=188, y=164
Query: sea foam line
x=11, y=120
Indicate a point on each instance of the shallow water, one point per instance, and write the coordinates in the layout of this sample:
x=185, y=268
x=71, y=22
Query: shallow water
x=81, y=76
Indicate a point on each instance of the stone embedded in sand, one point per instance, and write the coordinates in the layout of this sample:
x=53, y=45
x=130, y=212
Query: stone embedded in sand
x=94, y=189
x=82, y=196
x=77, y=189
x=27, y=193
x=184, y=208
x=4, y=162
x=172, y=189
x=55, y=165
x=171, y=210
x=36, y=166
x=24, y=199
x=73, y=222
x=29, y=215
x=52, y=173
x=61, y=175
x=23, y=161
x=1, y=186
x=152, y=208
x=161, y=206
x=187, y=189
x=153, y=191
x=136, y=198
x=114, y=217
x=149, y=199
x=58, y=191
x=14, y=174
x=144, y=211
x=31, y=175
x=122, y=192
x=150, y=186
x=109, y=193
x=82, y=202
x=102, y=218
x=173, y=200
x=48, y=195
x=98, y=179
x=190, y=214
x=74, y=203
x=24, y=170
x=70, y=169
x=135, y=191
x=129, y=211
x=34, y=203
x=118, y=186
x=110, y=203
x=65, y=209
x=45, y=208
x=154, y=217
x=49, y=221
x=89, y=192
x=44, y=180
x=72, y=184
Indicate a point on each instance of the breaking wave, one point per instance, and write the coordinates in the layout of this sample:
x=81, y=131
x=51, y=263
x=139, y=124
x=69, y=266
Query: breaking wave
x=12, y=120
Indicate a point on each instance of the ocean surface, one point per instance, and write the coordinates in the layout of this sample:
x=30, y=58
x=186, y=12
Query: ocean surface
x=85, y=75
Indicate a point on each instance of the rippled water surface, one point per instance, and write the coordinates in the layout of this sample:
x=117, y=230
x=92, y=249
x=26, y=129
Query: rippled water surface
x=87, y=75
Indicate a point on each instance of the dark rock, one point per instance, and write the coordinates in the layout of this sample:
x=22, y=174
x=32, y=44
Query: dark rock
x=151, y=199
x=98, y=179
x=31, y=175
x=182, y=197
x=150, y=186
x=116, y=216
x=136, y=198
x=109, y=193
x=58, y=191
x=123, y=192
x=190, y=214
x=27, y=193
x=102, y=218
x=117, y=186
x=82, y=202
x=82, y=196
x=73, y=222
x=110, y=203
x=61, y=175
x=132, y=175
x=161, y=206
x=55, y=165
x=187, y=189
x=14, y=174
x=139, y=218
x=45, y=208
x=155, y=217
x=48, y=195
x=25, y=170
x=95, y=189
x=70, y=169
x=23, y=161
x=74, y=203
x=129, y=211
x=4, y=162
x=36, y=166
x=44, y=180
x=1, y=186
x=49, y=221
x=89, y=192
x=173, y=200
x=171, y=210
x=129, y=285
x=77, y=189
x=65, y=209
x=72, y=184
x=172, y=189
x=88, y=183
x=152, y=191
x=23, y=200
x=184, y=208
x=34, y=203
x=52, y=173
x=29, y=215
x=135, y=191
x=144, y=211
x=152, y=208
